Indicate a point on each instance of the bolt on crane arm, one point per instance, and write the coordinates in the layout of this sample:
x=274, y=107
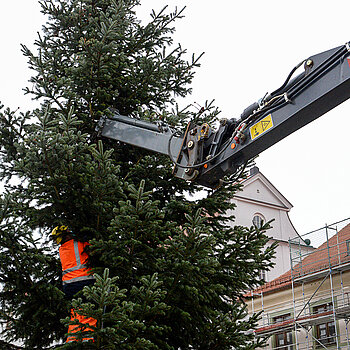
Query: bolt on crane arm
x=206, y=156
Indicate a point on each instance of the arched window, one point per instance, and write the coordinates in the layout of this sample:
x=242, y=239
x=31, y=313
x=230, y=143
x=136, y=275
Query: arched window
x=258, y=220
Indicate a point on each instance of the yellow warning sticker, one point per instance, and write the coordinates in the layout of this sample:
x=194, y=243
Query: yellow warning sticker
x=260, y=127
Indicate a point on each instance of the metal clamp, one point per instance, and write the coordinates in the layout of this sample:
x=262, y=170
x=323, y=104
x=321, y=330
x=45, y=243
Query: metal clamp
x=286, y=98
x=347, y=45
x=261, y=101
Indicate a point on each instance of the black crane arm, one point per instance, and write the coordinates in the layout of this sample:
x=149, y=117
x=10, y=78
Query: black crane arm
x=205, y=155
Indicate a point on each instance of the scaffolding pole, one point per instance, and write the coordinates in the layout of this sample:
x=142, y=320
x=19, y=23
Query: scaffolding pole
x=332, y=290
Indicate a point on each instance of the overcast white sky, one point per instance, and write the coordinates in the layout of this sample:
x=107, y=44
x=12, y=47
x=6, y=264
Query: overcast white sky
x=250, y=47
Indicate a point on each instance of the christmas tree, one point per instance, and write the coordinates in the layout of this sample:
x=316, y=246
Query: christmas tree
x=170, y=272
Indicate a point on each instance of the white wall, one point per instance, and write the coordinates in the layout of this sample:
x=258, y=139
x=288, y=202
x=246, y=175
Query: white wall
x=260, y=197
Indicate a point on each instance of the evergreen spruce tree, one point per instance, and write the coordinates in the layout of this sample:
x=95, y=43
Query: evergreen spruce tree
x=170, y=273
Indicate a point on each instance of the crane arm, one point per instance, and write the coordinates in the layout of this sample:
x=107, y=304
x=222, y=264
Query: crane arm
x=205, y=155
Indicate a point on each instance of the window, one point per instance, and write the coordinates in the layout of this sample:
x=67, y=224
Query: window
x=281, y=318
x=325, y=332
x=348, y=247
x=257, y=221
x=283, y=340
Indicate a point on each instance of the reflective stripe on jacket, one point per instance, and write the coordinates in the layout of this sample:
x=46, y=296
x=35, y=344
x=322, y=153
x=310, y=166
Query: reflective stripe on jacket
x=73, y=261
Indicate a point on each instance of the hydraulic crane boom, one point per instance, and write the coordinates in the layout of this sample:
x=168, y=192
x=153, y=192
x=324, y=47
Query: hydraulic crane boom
x=205, y=155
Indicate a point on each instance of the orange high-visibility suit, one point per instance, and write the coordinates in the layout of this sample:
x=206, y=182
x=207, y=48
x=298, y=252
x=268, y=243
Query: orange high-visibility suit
x=75, y=276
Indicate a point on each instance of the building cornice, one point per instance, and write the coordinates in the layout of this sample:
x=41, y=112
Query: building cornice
x=266, y=204
x=291, y=243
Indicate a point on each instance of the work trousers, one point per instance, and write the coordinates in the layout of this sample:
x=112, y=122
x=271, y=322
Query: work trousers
x=84, y=325
x=70, y=289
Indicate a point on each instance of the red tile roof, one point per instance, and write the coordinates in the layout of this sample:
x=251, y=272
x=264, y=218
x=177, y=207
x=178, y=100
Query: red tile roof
x=332, y=253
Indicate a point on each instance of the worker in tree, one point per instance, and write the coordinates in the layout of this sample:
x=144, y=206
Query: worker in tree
x=75, y=275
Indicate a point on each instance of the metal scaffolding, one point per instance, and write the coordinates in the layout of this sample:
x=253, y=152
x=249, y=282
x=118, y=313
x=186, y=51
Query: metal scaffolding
x=309, y=307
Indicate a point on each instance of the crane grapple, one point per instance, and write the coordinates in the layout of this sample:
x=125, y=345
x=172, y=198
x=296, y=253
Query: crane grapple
x=206, y=156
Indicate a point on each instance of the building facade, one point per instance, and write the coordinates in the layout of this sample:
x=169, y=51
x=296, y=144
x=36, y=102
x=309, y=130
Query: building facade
x=260, y=201
x=308, y=307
